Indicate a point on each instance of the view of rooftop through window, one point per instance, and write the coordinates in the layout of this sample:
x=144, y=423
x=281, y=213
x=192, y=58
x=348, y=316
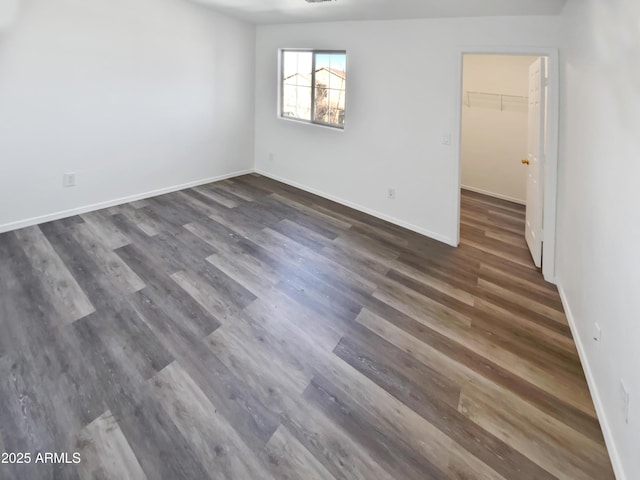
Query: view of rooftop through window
x=314, y=86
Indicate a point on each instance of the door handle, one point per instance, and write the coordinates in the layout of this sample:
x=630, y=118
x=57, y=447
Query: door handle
x=524, y=161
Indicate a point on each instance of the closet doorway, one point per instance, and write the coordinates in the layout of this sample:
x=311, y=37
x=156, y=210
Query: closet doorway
x=504, y=156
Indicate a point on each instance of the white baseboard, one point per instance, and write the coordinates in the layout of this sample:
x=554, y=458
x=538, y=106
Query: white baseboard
x=492, y=194
x=118, y=201
x=382, y=216
x=600, y=411
x=174, y=188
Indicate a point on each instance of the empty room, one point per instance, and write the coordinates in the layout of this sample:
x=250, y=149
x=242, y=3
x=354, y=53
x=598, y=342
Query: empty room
x=319, y=239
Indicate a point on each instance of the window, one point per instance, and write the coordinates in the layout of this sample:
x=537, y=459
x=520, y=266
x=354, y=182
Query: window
x=313, y=86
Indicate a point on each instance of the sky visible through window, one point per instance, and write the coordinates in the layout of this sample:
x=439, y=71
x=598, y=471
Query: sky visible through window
x=300, y=62
x=334, y=61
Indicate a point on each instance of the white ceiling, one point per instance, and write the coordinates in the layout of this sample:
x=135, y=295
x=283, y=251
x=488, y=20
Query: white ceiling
x=299, y=11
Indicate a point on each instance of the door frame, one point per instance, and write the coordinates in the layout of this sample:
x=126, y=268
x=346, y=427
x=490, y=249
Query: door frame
x=551, y=159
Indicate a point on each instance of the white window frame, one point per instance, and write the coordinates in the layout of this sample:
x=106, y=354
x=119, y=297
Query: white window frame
x=314, y=53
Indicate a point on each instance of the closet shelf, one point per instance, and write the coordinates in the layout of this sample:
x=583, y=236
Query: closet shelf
x=497, y=100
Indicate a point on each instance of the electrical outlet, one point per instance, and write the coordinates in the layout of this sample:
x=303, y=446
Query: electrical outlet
x=391, y=194
x=69, y=179
x=446, y=139
x=624, y=398
x=597, y=332
x=271, y=157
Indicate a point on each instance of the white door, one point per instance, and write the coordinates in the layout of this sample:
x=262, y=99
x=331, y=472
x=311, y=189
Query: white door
x=535, y=160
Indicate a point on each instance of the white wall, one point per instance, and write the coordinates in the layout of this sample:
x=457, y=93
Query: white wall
x=132, y=95
x=8, y=12
x=599, y=223
x=494, y=135
x=389, y=140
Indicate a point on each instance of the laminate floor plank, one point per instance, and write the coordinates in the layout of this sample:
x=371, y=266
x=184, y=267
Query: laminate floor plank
x=246, y=194
x=518, y=256
x=241, y=406
x=105, y=452
x=352, y=240
x=328, y=220
x=423, y=308
x=579, y=456
x=553, y=313
x=276, y=310
x=515, y=239
x=332, y=447
x=27, y=317
x=538, y=344
x=287, y=459
x=236, y=221
x=236, y=249
x=324, y=226
x=42, y=350
x=206, y=295
x=112, y=265
x=244, y=274
x=324, y=299
x=131, y=339
x=309, y=286
x=104, y=228
x=294, y=340
x=198, y=202
x=322, y=223
x=212, y=196
x=460, y=273
x=536, y=291
x=544, y=400
x=30, y=421
x=104, y=290
x=172, y=214
x=301, y=234
x=253, y=422
x=246, y=185
x=423, y=282
x=272, y=380
x=281, y=246
x=378, y=359
x=487, y=201
x=394, y=417
x=401, y=375
x=166, y=292
x=139, y=204
x=246, y=329
x=392, y=454
x=356, y=261
x=483, y=222
x=485, y=297
x=150, y=432
x=155, y=247
x=221, y=189
x=141, y=219
x=263, y=214
x=516, y=341
x=548, y=336
x=65, y=294
x=216, y=442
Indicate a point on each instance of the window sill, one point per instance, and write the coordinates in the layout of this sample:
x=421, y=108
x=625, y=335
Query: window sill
x=306, y=122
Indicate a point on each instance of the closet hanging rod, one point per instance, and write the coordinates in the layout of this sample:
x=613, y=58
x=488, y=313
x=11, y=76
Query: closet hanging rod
x=501, y=97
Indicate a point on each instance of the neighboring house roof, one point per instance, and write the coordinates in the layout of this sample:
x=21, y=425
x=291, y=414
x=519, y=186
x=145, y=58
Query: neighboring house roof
x=337, y=73
x=297, y=75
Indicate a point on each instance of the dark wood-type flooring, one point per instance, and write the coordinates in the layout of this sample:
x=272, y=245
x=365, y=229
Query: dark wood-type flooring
x=248, y=330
